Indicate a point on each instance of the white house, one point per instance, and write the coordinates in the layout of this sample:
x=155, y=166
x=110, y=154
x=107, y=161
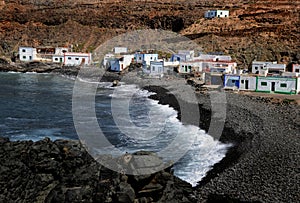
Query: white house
x=216, y=13
x=157, y=68
x=120, y=50
x=75, y=59
x=27, y=54
x=282, y=85
x=121, y=63
x=221, y=66
x=259, y=65
x=210, y=57
x=296, y=68
x=185, y=68
x=192, y=65
x=247, y=82
x=145, y=57
x=189, y=54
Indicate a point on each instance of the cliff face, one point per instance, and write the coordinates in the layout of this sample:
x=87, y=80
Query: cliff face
x=265, y=29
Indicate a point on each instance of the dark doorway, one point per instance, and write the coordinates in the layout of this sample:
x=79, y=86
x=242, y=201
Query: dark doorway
x=273, y=87
x=246, y=84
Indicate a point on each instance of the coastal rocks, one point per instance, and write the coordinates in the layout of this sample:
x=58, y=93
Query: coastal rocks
x=125, y=193
x=29, y=67
x=62, y=171
x=115, y=83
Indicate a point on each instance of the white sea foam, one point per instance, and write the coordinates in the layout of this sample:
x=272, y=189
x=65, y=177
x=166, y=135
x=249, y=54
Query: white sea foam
x=128, y=91
x=201, y=150
x=38, y=134
x=34, y=73
x=107, y=85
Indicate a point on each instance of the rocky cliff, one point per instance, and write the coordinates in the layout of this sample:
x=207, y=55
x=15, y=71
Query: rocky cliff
x=265, y=30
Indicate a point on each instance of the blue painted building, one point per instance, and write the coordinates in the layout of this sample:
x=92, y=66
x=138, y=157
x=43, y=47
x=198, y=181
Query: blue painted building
x=231, y=81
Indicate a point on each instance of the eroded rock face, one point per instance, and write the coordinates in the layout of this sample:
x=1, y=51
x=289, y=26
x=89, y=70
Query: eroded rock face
x=62, y=171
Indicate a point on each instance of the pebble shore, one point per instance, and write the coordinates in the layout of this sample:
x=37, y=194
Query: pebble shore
x=263, y=164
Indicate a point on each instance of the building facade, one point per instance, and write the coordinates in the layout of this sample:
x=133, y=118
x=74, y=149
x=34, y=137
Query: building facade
x=145, y=57
x=216, y=14
x=232, y=81
x=120, y=50
x=75, y=59
x=121, y=63
x=27, y=54
x=282, y=85
x=247, y=82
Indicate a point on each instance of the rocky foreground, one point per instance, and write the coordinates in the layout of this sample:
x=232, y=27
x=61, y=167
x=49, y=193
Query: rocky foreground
x=62, y=171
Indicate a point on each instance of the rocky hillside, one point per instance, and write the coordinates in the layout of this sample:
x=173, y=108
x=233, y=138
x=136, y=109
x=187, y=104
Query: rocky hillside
x=262, y=30
x=266, y=29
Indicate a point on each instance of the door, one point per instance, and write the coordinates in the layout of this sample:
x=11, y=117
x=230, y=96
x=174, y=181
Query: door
x=273, y=87
x=237, y=83
x=246, y=84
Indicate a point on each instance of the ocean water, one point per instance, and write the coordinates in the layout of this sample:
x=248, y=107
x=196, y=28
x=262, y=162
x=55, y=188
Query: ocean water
x=34, y=106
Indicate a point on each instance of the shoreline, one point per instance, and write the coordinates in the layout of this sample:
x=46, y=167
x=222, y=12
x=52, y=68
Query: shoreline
x=257, y=127
x=253, y=124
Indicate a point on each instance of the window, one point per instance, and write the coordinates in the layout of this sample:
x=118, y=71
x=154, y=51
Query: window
x=76, y=59
x=264, y=84
x=297, y=70
x=151, y=57
x=56, y=59
x=140, y=58
x=221, y=13
x=24, y=57
x=153, y=68
x=284, y=85
x=242, y=81
x=69, y=58
x=23, y=50
x=256, y=67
